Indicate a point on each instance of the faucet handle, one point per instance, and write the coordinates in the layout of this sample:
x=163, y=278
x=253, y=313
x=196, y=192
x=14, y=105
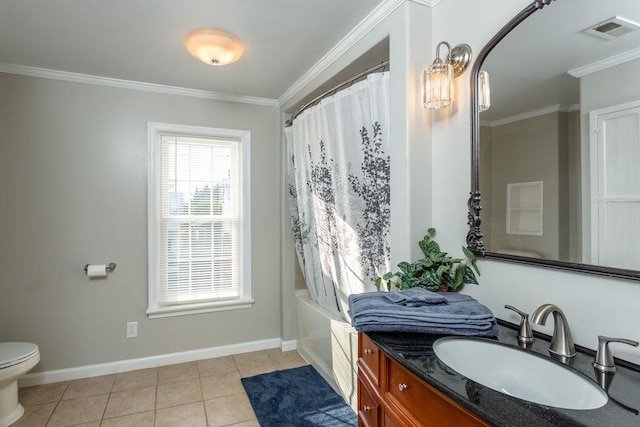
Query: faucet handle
x=604, y=359
x=525, y=336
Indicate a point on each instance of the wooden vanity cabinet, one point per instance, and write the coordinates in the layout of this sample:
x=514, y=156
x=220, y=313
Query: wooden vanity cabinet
x=389, y=395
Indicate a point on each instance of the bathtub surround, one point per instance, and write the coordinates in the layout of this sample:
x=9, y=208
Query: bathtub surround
x=330, y=344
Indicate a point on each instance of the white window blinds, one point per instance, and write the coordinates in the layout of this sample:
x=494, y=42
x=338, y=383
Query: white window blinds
x=199, y=224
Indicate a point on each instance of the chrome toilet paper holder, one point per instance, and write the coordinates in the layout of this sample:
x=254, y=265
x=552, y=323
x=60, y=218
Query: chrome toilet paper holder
x=110, y=267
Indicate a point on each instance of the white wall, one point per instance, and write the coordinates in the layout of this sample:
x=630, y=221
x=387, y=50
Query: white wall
x=73, y=190
x=593, y=305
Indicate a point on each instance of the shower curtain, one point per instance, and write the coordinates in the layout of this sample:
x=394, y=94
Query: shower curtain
x=339, y=189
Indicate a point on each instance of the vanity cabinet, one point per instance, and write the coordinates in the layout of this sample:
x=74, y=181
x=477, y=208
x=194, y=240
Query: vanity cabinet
x=389, y=395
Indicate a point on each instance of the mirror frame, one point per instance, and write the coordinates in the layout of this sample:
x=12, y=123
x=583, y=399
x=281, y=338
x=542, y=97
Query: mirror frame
x=475, y=241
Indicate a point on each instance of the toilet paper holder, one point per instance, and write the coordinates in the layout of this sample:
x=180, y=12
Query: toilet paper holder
x=110, y=267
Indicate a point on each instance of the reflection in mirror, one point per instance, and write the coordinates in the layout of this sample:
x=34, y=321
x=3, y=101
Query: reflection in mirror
x=556, y=156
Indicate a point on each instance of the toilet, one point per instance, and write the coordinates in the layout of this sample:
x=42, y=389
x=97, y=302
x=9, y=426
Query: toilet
x=16, y=359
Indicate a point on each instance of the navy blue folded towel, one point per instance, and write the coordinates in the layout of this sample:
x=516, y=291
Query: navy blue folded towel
x=415, y=297
x=446, y=313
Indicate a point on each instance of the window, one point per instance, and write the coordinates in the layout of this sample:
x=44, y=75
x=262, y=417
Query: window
x=199, y=221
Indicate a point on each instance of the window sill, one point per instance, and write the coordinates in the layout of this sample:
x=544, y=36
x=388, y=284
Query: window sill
x=198, y=308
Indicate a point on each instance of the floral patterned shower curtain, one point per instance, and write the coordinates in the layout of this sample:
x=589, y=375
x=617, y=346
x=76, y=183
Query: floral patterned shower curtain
x=339, y=188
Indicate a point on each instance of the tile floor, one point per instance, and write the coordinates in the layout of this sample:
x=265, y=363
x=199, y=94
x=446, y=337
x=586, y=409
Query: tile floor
x=203, y=393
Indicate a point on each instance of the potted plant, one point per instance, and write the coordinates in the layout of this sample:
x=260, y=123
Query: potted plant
x=435, y=272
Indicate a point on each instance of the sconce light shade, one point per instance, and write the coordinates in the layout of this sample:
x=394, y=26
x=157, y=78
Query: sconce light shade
x=484, y=91
x=437, y=80
x=214, y=47
x=438, y=85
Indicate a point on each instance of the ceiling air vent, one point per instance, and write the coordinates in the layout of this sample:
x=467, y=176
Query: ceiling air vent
x=612, y=28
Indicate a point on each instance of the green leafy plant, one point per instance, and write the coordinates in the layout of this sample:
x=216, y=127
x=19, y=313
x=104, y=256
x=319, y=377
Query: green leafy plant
x=435, y=271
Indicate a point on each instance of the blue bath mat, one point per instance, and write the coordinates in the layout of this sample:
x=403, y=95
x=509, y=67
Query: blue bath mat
x=297, y=397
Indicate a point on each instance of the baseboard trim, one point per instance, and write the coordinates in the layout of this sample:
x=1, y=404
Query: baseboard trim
x=289, y=345
x=68, y=374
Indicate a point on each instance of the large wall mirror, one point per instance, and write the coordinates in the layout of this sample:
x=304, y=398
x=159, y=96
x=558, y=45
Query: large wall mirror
x=556, y=156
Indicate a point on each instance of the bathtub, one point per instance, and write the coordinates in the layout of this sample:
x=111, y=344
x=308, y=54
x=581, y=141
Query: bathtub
x=330, y=345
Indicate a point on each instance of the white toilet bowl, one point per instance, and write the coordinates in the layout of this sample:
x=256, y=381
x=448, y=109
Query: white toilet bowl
x=16, y=359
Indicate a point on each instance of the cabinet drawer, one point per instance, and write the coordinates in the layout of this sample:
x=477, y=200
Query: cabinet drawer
x=370, y=356
x=368, y=408
x=424, y=403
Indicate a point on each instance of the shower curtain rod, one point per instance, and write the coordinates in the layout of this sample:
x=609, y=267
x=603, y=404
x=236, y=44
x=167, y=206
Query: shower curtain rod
x=334, y=89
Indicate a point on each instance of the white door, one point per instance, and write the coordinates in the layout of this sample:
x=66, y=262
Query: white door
x=615, y=186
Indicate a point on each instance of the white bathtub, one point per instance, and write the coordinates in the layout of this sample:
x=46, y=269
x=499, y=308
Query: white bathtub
x=330, y=344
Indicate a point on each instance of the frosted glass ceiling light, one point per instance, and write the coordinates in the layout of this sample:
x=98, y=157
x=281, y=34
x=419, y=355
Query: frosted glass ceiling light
x=214, y=47
x=437, y=80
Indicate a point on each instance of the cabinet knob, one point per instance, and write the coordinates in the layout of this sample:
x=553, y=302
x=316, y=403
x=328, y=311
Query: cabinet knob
x=402, y=387
x=366, y=408
x=367, y=351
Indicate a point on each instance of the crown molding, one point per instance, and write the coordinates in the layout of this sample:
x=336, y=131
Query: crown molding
x=133, y=85
x=430, y=3
x=383, y=10
x=603, y=64
x=531, y=114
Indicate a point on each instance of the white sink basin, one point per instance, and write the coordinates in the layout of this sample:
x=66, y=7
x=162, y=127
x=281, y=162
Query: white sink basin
x=519, y=373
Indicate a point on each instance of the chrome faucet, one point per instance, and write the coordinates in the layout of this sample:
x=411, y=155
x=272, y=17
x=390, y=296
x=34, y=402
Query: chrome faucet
x=561, y=342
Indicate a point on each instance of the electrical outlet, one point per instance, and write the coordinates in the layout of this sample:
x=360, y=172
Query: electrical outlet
x=132, y=329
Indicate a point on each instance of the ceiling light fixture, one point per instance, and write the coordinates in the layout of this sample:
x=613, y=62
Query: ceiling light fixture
x=437, y=80
x=214, y=47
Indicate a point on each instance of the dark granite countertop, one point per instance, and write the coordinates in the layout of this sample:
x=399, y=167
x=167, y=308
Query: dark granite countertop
x=415, y=352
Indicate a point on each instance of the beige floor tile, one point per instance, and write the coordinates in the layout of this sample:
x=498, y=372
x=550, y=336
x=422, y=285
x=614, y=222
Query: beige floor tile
x=77, y=411
x=89, y=387
x=190, y=415
x=39, y=394
x=252, y=423
x=143, y=419
x=229, y=410
x=245, y=373
x=217, y=366
x=221, y=385
x=253, y=360
x=35, y=416
x=179, y=393
x=179, y=372
x=286, y=360
x=131, y=401
x=90, y=424
x=135, y=379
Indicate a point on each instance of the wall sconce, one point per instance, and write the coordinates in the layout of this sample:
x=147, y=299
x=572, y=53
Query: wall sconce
x=437, y=80
x=214, y=47
x=484, y=91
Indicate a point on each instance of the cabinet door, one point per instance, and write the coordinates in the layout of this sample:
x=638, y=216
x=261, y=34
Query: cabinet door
x=368, y=408
x=388, y=422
